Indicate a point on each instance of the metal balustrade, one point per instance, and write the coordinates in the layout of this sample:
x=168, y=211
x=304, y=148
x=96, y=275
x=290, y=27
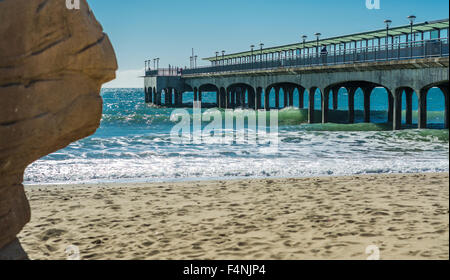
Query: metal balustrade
x=388, y=52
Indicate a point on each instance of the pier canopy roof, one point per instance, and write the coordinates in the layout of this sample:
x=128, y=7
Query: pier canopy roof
x=393, y=31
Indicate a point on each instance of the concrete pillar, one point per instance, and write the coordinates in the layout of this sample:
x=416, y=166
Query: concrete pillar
x=258, y=98
x=150, y=95
x=301, y=98
x=222, y=98
x=218, y=98
x=291, y=96
x=170, y=98
x=233, y=98
x=146, y=95
x=277, y=97
x=397, y=122
x=445, y=90
x=195, y=94
x=238, y=97
x=243, y=95
x=200, y=95
x=335, y=98
x=166, y=97
x=367, y=92
x=266, y=99
x=285, y=97
x=390, y=106
x=251, y=98
x=178, y=98
x=325, y=105
x=311, y=105
x=423, y=109
x=158, y=98
x=409, y=93
x=351, y=104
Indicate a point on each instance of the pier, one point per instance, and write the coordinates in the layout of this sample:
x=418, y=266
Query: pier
x=404, y=60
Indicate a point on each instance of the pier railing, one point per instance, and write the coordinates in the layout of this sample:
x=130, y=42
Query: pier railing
x=389, y=52
x=164, y=72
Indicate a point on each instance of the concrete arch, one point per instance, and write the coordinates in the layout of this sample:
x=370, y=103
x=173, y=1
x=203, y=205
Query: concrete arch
x=422, y=111
x=242, y=92
x=288, y=92
x=208, y=87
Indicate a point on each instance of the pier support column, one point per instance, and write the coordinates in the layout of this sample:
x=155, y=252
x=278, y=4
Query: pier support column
x=195, y=94
x=367, y=92
x=301, y=98
x=150, y=95
x=146, y=95
x=258, y=98
x=170, y=97
x=266, y=99
x=251, y=98
x=242, y=97
x=238, y=97
x=311, y=105
x=200, y=96
x=409, y=93
x=178, y=98
x=397, y=122
x=277, y=97
x=325, y=105
x=155, y=96
x=445, y=90
x=166, y=96
x=390, y=106
x=233, y=98
x=159, y=98
x=422, y=120
x=218, y=98
x=223, y=98
x=291, y=97
x=351, y=104
x=335, y=98
x=285, y=97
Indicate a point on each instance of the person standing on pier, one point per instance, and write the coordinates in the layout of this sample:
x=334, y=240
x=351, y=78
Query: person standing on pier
x=324, y=55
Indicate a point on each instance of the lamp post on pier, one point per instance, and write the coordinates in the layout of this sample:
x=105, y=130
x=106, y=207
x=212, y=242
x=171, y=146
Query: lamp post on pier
x=261, y=46
x=252, y=47
x=223, y=57
x=411, y=18
x=388, y=24
x=317, y=43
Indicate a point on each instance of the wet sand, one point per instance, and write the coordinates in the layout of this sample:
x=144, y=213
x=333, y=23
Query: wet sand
x=406, y=216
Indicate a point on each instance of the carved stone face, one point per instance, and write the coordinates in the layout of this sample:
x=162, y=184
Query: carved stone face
x=53, y=62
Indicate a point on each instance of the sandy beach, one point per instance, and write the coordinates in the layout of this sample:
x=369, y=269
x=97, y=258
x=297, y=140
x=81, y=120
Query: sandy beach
x=406, y=216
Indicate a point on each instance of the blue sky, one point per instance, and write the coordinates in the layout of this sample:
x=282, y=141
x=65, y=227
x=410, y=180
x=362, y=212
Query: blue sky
x=145, y=29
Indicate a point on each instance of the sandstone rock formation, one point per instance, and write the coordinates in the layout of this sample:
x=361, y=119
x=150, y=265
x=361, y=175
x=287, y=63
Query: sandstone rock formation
x=53, y=62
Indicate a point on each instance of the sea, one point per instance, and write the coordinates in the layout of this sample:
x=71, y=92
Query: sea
x=134, y=144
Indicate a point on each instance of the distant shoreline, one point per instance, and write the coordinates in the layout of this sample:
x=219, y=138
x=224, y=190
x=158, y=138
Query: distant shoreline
x=206, y=180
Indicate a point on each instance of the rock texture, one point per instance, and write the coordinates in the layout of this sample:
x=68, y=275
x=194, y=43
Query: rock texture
x=53, y=62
